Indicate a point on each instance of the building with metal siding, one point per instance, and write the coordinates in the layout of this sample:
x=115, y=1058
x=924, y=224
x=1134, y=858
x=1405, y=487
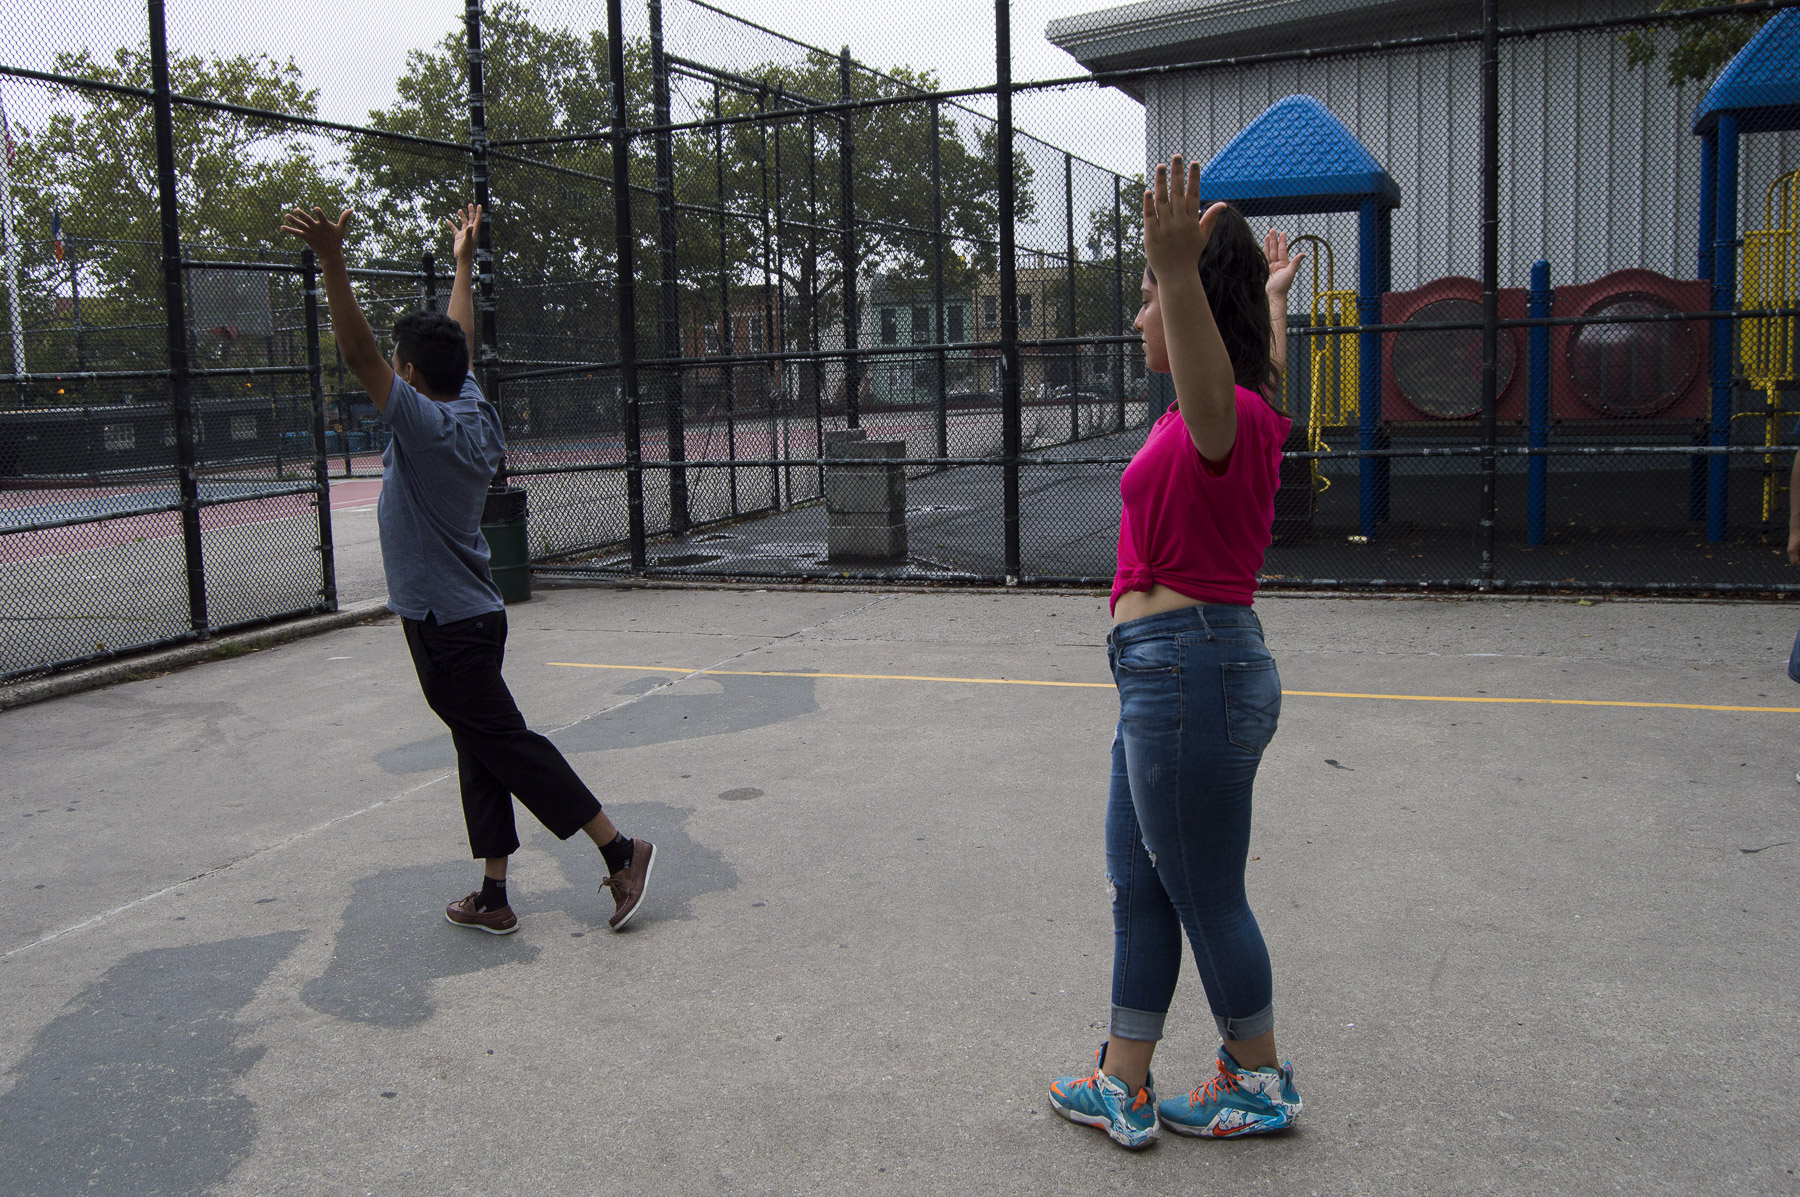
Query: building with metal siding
x=1600, y=169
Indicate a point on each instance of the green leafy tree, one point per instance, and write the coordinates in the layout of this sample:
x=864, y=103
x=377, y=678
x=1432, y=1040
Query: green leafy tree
x=552, y=215
x=1701, y=47
x=94, y=161
x=891, y=184
x=553, y=222
x=1094, y=286
x=97, y=164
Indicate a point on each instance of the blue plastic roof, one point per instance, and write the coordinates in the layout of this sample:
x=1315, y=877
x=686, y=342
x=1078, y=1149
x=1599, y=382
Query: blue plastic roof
x=1762, y=84
x=1296, y=157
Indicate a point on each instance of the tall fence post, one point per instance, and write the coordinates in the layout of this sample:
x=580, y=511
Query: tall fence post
x=940, y=333
x=1009, y=289
x=487, y=337
x=1699, y=464
x=1490, y=274
x=315, y=383
x=343, y=412
x=769, y=330
x=1074, y=357
x=478, y=170
x=727, y=326
x=810, y=278
x=783, y=377
x=428, y=268
x=669, y=303
x=1724, y=298
x=847, y=250
x=1118, y=299
x=175, y=308
x=624, y=246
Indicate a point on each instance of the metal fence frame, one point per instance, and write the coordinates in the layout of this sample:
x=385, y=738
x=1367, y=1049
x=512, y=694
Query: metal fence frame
x=652, y=373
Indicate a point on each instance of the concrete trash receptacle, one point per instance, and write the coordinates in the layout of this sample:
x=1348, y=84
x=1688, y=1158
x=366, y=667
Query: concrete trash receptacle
x=503, y=522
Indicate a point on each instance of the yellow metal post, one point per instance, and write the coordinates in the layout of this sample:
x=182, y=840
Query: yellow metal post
x=1770, y=279
x=1335, y=360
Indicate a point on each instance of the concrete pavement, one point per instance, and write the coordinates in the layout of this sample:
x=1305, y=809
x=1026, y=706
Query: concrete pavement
x=1519, y=948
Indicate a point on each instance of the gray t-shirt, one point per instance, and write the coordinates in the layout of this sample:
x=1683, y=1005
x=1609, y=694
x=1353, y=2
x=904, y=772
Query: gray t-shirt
x=434, y=481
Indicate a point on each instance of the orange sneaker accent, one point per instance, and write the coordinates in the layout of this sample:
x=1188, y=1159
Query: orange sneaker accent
x=1224, y=1082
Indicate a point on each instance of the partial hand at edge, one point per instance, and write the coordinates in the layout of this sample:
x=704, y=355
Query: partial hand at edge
x=325, y=237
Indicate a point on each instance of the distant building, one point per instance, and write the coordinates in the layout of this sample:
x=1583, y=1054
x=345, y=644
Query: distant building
x=899, y=311
x=1043, y=291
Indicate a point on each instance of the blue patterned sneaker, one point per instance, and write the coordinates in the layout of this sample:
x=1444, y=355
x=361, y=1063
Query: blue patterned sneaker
x=1235, y=1102
x=1103, y=1101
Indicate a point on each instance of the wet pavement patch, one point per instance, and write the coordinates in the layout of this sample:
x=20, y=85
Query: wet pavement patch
x=395, y=944
x=738, y=704
x=132, y=1089
x=421, y=756
x=684, y=870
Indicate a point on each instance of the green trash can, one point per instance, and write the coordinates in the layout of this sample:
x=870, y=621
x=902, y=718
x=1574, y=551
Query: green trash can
x=509, y=549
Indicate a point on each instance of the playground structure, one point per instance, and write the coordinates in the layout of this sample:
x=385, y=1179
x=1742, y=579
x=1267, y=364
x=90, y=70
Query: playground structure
x=1758, y=92
x=1298, y=158
x=1613, y=363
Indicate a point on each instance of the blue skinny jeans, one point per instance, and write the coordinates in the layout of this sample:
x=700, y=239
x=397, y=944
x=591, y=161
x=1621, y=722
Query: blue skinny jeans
x=1199, y=699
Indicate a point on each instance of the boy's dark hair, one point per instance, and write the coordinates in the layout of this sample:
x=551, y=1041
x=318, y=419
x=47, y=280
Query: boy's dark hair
x=435, y=344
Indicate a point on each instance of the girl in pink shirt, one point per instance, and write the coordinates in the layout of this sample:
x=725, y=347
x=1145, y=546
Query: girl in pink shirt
x=1199, y=696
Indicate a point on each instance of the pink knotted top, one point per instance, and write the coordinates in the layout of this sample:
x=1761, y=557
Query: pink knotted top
x=1197, y=527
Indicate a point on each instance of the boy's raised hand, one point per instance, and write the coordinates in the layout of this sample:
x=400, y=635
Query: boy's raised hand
x=1174, y=230
x=463, y=228
x=325, y=237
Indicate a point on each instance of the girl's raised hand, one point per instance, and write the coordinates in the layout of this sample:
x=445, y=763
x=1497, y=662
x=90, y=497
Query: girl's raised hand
x=1174, y=230
x=1281, y=265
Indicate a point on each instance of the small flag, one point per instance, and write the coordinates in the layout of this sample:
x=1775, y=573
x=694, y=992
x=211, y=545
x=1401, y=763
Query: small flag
x=56, y=232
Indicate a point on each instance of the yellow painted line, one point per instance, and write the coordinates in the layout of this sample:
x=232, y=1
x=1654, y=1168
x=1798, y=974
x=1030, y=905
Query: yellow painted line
x=1006, y=681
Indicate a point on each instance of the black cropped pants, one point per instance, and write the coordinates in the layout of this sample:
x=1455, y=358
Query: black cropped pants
x=497, y=756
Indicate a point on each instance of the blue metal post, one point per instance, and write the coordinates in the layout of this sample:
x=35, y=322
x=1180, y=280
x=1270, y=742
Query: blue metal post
x=1709, y=196
x=1724, y=279
x=1537, y=469
x=1372, y=478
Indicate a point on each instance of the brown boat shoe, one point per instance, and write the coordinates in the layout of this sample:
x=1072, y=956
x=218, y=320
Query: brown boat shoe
x=629, y=883
x=499, y=921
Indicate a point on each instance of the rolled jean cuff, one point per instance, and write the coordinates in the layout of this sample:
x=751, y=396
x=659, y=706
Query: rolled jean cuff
x=1142, y=1025
x=1260, y=1023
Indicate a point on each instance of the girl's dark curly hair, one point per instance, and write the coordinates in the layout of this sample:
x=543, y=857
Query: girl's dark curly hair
x=1235, y=273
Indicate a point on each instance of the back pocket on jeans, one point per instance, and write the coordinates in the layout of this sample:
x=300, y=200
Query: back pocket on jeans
x=1252, y=703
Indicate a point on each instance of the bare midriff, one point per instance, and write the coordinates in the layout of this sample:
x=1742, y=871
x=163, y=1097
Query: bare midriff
x=1136, y=604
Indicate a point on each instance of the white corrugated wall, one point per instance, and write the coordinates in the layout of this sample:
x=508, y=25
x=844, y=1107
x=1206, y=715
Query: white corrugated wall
x=1599, y=170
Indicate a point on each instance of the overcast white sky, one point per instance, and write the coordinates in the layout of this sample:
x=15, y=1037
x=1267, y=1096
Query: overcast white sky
x=354, y=52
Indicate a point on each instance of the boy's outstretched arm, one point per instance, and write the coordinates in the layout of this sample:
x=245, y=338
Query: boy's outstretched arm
x=464, y=227
x=355, y=339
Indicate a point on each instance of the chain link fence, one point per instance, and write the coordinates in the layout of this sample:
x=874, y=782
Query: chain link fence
x=1525, y=355
x=753, y=307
